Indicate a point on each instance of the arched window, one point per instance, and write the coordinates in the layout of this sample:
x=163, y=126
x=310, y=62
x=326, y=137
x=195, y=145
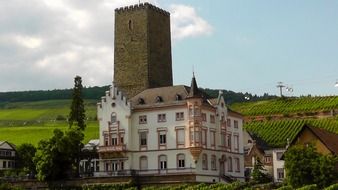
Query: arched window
x=162, y=162
x=204, y=162
x=180, y=160
x=113, y=117
x=229, y=164
x=130, y=25
x=213, y=162
x=143, y=163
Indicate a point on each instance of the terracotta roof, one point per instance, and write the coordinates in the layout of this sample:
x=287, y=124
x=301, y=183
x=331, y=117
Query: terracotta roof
x=162, y=96
x=329, y=139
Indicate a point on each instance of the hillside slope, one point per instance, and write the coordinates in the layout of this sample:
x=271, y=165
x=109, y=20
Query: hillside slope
x=284, y=106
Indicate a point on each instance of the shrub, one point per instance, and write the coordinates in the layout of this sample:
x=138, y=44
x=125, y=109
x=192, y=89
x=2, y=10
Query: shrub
x=309, y=187
x=285, y=188
x=60, y=118
x=332, y=187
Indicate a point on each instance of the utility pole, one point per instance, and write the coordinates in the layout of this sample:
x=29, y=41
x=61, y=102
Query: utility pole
x=280, y=85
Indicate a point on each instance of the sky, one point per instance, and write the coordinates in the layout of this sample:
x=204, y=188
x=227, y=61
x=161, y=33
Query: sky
x=244, y=46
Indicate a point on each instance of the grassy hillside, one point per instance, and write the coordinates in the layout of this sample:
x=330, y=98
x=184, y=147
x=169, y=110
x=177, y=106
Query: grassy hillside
x=34, y=133
x=287, y=106
x=30, y=122
x=276, y=133
x=25, y=113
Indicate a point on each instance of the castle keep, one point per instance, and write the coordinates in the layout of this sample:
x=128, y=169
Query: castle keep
x=142, y=49
x=152, y=129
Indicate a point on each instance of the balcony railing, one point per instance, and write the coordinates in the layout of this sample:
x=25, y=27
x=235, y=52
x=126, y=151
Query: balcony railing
x=115, y=148
x=169, y=171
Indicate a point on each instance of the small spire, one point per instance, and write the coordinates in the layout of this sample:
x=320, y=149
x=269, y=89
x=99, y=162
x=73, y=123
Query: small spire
x=194, y=91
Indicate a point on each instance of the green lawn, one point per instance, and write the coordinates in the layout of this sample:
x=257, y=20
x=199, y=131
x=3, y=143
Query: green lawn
x=34, y=133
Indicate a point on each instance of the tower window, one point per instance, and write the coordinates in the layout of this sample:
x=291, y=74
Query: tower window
x=159, y=99
x=130, y=25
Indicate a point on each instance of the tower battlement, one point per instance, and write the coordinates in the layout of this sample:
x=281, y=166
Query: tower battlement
x=140, y=7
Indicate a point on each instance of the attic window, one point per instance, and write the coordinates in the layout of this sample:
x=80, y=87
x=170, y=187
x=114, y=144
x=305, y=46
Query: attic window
x=159, y=99
x=178, y=97
x=141, y=101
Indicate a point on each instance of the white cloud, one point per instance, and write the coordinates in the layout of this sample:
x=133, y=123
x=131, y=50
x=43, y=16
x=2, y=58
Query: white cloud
x=187, y=23
x=28, y=41
x=44, y=44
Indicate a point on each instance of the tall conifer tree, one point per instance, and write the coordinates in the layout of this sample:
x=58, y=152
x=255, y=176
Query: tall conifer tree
x=77, y=110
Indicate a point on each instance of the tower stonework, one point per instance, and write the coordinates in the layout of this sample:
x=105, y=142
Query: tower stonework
x=142, y=54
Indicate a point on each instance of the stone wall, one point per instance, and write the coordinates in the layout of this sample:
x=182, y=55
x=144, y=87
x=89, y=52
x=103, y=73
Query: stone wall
x=142, y=48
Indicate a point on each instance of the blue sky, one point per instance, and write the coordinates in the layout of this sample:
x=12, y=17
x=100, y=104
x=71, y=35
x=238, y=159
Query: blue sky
x=245, y=46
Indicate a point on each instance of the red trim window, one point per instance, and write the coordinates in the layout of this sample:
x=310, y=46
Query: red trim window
x=114, y=139
x=106, y=140
x=142, y=119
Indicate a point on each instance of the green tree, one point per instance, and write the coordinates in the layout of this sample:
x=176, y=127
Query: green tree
x=304, y=166
x=57, y=157
x=258, y=175
x=26, y=153
x=77, y=110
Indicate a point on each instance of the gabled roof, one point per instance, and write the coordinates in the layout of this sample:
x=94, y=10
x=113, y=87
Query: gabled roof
x=330, y=140
x=9, y=144
x=260, y=143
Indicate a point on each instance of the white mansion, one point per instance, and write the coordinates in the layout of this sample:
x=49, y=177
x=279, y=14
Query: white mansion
x=169, y=131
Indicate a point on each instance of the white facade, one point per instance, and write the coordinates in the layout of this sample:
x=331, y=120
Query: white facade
x=7, y=156
x=164, y=131
x=278, y=165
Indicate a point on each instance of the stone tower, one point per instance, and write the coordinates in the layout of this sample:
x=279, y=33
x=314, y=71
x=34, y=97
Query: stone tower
x=142, y=48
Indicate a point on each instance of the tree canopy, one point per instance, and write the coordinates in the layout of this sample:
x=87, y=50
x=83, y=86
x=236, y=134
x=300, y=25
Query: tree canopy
x=305, y=166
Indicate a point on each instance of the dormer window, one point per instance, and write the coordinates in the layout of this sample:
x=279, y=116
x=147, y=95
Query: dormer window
x=159, y=99
x=141, y=101
x=178, y=97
